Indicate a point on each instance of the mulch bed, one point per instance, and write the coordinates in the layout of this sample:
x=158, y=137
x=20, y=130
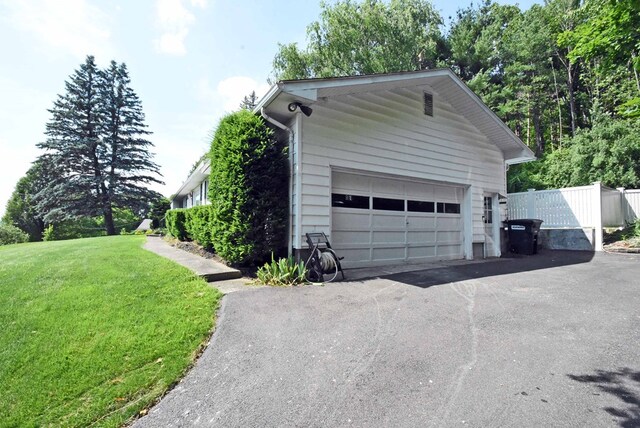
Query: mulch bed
x=193, y=248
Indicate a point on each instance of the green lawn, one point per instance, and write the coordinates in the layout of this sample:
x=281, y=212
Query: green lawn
x=94, y=330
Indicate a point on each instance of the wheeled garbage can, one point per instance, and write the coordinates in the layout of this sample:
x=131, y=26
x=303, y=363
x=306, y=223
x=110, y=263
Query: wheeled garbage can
x=523, y=235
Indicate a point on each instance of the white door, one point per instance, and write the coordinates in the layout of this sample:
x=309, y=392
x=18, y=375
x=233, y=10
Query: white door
x=378, y=221
x=491, y=219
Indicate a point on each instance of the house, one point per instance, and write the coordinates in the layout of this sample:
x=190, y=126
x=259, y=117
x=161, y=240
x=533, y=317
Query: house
x=396, y=168
x=194, y=191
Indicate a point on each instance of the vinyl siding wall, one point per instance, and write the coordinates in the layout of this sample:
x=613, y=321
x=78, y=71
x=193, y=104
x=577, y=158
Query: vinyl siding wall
x=387, y=132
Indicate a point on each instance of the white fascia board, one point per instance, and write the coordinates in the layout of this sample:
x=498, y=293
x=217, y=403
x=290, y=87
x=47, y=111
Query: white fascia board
x=336, y=82
x=271, y=95
x=518, y=160
x=196, y=176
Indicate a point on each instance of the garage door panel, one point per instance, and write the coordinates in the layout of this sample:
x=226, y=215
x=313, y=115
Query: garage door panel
x=388, y=221
x=351, y=220
x=354, y=255
x=448, y=223
x=388, y=254
x=421, y=237
x=415, y=222
x=388, y=237
x=390, y=233
x=421, y=252
x=387, y=187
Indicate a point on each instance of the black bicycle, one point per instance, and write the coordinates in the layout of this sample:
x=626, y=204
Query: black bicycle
x=323, y=263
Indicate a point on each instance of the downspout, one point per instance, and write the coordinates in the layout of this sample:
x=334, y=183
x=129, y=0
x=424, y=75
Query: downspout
x=290, y=131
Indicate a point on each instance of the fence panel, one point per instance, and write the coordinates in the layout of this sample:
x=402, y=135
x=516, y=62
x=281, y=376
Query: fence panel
x=559, y=208
x=612, y=210
x=517, y=205
x=632, y=205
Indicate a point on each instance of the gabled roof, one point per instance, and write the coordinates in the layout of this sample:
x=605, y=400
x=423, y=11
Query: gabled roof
x=443, y=81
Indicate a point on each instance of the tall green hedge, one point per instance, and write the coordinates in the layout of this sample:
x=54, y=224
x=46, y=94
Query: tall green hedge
x=248, y=189
x=176, y=223
x=198, y=225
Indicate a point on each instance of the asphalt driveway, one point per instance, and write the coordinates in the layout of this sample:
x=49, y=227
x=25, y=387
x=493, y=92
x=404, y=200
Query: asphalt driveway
x=547, y=340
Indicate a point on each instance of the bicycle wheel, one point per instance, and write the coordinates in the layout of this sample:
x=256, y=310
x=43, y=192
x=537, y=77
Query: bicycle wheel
x=329, y=262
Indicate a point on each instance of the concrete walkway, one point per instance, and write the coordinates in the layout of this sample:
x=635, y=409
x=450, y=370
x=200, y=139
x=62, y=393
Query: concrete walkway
x=208, y=269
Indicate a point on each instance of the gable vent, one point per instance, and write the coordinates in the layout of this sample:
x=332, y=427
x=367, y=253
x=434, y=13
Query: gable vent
x=428, y=104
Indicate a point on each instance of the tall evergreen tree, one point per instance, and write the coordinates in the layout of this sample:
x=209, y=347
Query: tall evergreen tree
x=249, y=102
x=129, y=167
x=95, y=141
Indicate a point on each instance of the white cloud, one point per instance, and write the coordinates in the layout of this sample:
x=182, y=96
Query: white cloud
x=73, y=26
x=174, y=19
x=233, y=89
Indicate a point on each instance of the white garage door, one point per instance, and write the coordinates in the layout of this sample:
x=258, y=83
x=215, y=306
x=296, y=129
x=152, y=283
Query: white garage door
x=378, y=221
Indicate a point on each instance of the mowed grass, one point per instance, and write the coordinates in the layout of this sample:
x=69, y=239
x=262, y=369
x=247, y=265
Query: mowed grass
x=94, y=330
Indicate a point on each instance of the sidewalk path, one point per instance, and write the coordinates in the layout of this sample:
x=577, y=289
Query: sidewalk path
x=210, y=270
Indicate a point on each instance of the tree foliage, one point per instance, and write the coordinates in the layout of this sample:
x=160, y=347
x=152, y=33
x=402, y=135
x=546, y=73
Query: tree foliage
x=21, y=210
x=248, y=189
x=96, y=147
x=369, y=37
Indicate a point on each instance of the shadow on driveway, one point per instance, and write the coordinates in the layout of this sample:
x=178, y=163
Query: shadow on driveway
x=623, y=384
x=510, y=264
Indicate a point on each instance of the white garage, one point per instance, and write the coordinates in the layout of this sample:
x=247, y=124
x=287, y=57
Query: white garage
x=394, y=168
x=379, y=221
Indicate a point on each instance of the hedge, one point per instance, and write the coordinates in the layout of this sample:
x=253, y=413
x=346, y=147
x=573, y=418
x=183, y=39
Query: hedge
x=176, y=223
x=191, y=223
x=248, y=190
x=198, y=223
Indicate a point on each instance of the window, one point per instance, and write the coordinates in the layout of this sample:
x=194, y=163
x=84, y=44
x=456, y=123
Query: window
x=448, y=208
x=420, y=206
x=388, y=204
x=488, y=210
x=349, y=201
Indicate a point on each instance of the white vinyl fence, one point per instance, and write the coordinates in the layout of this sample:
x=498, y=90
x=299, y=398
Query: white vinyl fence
x=594, y=206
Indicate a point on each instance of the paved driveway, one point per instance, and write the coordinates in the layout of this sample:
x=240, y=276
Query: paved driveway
x=547, y=340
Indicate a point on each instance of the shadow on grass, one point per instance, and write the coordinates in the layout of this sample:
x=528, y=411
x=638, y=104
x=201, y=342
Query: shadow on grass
x=510, y=264
x=623, y=384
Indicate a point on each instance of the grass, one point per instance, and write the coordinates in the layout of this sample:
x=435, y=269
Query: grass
x=94, y=330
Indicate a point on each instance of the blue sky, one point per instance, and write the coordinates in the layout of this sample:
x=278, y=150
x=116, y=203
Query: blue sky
x=190, y=61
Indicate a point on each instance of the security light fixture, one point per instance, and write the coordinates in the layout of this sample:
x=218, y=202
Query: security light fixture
x=304, y=109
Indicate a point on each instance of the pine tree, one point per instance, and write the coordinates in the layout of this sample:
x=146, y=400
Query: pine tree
x=128, y=163
x=95, y=143
x=249, y=102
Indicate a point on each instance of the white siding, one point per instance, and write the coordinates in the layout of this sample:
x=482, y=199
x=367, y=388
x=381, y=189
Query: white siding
x=386, y=132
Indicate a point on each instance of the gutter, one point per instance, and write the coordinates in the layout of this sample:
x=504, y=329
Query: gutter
x=290, y=131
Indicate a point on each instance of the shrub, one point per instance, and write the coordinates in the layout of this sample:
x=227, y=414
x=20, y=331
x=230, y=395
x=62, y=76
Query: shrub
x=48, y=234
x=284, y=272
x=157, y=212
x=9, y=234
x=199, y=225
x=176, y=226
x=248, y=189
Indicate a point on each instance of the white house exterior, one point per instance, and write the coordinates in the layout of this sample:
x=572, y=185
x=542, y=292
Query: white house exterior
x=394, y=168
x=195, y=189
x=387, y=182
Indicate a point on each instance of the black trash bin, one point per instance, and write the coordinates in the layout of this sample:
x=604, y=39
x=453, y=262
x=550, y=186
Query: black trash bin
x=523, y=235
